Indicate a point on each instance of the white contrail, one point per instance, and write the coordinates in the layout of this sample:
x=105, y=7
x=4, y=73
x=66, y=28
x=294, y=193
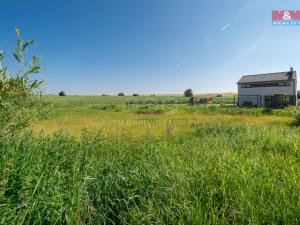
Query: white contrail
x=226, y=27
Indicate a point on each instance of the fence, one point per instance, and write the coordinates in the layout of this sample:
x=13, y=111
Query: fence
x=224, y=100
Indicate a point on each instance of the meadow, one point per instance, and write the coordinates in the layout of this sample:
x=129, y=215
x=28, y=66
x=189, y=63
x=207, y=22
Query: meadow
x=152, y=160
x=150, y=115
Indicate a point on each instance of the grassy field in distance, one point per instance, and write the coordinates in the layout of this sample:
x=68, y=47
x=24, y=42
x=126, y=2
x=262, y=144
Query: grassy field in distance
x=146, y=114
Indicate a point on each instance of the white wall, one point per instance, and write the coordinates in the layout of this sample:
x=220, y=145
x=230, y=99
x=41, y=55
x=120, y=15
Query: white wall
x=267, y=91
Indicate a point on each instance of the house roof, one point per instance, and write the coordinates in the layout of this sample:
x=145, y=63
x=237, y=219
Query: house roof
x=281, y=76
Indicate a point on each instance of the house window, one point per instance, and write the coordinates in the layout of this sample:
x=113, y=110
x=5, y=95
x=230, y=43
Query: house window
x=268, y=101
x=286, y=83
x=266, y=84
x=245, y=85
x=278, y=101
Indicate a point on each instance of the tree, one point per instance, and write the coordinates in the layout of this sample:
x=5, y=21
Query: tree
x=20, y=96
x=121, y=94
x=135, y=95
x=188, y=93
x=61, y=93
x=298, y=94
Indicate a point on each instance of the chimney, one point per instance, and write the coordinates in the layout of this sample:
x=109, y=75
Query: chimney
x=290, y=74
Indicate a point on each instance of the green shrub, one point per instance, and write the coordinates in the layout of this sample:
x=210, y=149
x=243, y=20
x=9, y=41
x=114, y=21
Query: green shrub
x=296, y=120
x=121, y=94
x=61, y=93
x=188, y=93
x=20, y=96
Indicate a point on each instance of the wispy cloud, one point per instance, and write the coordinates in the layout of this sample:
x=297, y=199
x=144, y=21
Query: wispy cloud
x=226, y=27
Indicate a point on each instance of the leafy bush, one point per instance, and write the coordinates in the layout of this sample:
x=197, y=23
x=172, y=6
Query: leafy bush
x=20, y=96
x=188, y=93
x=135, y=95
x=296, y=120
x=61, y=93
x=121, y=94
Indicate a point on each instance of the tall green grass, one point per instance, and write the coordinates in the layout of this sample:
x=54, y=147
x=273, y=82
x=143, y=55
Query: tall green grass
x=230, y=110
x=215, y=174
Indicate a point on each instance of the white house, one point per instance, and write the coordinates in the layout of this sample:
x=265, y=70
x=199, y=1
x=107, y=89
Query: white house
x=268, y=90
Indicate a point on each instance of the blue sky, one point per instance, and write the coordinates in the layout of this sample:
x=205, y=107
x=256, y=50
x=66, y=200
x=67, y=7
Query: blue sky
x=151, y=46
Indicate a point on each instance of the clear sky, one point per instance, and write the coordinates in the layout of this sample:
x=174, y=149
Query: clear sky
x=151, y=46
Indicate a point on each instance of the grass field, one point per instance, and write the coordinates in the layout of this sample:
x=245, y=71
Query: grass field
x=146, y=115
x=152, y=160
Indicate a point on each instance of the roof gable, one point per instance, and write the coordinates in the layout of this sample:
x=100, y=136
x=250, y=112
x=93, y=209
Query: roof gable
x=281, y=76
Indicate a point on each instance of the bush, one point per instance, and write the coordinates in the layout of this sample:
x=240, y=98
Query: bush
x=296, y=120
x=20, y=96
x=188, y=93
x=219, y=95
x=298, y=94
x=121, y=94
x=61, y=93
x=135, y=95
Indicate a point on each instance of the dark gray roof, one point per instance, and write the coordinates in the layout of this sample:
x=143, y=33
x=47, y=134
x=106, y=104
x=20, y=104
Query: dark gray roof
x=268, y=77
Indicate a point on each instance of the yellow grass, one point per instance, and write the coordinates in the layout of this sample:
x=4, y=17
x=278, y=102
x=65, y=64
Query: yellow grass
x=140, y=125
